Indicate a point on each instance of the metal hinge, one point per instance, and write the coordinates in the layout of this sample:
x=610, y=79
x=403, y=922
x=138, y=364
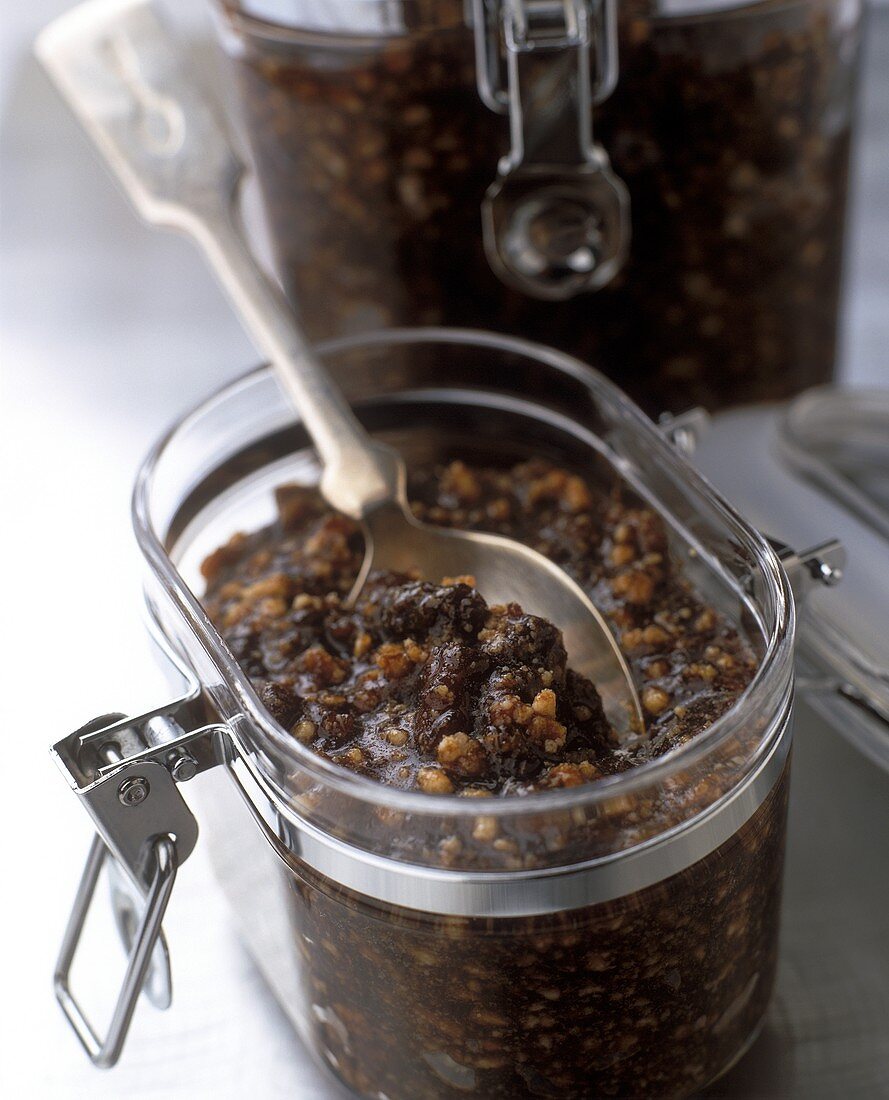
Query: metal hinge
x=684, y=430
x=525, y=25
x=833, y=668
x=547, y=24
x=820, y=565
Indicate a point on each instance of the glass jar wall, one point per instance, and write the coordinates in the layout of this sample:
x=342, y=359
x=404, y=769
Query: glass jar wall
x=656, y=993
x=616, y=935
x=730, y=126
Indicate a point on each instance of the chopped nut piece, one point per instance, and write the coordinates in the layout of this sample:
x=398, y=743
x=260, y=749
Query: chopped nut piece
x=462, y=754
x=485, y=829
x=304, y=731
x=322, y=666
x=655, y=700
x=545, y=703
x=499, y=509
x=434, y=781
x=414, y=652
x=393, y=661
x=622, y=554
x=571, y=775
x=637, y=587
x=462, y=482
x=575, y=495
x=305, y=602
x=700, y=670
x=449, y=848
x=706, y=620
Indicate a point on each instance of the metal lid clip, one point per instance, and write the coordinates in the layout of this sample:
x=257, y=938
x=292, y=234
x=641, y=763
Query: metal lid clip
x=125, y=772
x=556, y=220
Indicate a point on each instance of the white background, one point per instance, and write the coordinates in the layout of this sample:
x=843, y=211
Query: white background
x=108, y=331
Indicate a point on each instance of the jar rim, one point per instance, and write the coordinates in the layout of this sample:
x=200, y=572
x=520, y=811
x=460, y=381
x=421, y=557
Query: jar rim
x=774, y=669
x=369, y=19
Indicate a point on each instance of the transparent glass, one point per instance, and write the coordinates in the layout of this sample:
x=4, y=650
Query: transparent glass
x=394, y=972
x=656, y=993
x=730, y=125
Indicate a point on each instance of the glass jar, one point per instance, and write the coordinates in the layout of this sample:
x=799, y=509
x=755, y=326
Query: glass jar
x=622, y=942
x=665, y=200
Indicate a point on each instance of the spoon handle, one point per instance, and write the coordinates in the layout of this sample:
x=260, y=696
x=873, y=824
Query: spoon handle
x=132, y=89
x=358, y=474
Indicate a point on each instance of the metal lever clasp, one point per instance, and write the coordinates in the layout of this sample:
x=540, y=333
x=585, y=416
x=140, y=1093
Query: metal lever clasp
x=125, y=772
x=556, y=220
x=835, y=667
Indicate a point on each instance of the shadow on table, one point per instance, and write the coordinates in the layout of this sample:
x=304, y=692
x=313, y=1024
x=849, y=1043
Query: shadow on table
x=765, y=1073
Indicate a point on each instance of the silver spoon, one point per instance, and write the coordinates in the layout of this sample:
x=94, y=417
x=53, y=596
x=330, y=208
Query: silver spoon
x=126, y=81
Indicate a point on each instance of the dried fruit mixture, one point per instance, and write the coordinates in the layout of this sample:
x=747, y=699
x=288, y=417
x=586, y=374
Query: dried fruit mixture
x=422, y=684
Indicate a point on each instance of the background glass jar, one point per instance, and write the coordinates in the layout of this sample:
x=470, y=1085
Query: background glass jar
x=729, y=125
x=633, y=947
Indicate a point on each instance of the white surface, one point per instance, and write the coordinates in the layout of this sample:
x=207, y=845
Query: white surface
x=108, y=331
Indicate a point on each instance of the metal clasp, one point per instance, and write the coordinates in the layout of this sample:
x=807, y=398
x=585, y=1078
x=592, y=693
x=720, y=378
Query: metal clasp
x=162, y=864
x=806, y=569
x=125, y=771
x=556, y=220
x=835, y=670
x=684, y=430
x=552, y=24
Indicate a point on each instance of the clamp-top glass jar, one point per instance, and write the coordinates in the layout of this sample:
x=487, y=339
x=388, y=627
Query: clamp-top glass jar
x=617, y=937
x=654, y=186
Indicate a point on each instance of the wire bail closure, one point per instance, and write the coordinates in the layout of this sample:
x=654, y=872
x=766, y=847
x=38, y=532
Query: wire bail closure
x=556, y=220
x=126, y=773
x=162, y=865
